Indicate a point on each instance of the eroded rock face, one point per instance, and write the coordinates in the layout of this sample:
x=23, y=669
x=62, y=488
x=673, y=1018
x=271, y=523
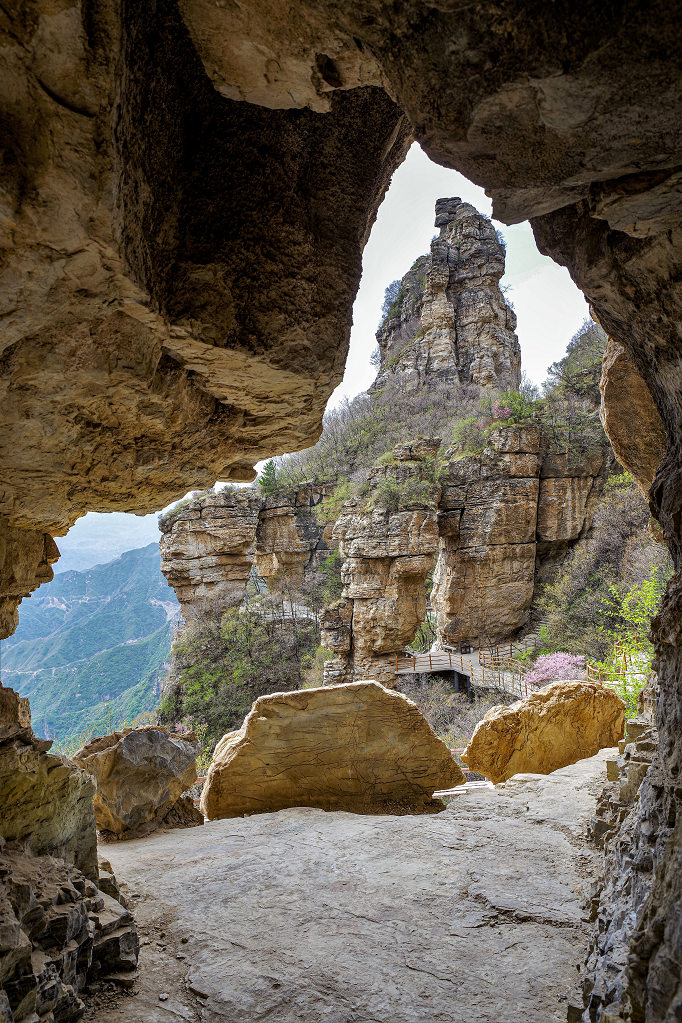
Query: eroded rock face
x=291, y=542
x=451, y=320
x=146, y=348
x=59, y=931
x=387, y=557
x=47, y=802
x=26, y=559
x=56, y=927
x=207, y=550
x=210, y=544
x=630, y=419
x=357, y=747
x=484, y=579
x=554, y=727
x=504, y=519
x=141, y=774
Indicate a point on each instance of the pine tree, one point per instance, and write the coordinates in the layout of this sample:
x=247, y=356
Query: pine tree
x=267, y=480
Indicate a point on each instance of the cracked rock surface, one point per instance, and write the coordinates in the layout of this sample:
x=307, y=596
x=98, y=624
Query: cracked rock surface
x=330, y=916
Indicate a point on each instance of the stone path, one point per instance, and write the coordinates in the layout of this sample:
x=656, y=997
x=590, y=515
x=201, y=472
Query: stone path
x=474, y=914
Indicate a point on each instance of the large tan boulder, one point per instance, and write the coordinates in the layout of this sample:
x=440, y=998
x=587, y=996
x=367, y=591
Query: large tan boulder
x=357, y=747
x=556, y=726
x=141, y=774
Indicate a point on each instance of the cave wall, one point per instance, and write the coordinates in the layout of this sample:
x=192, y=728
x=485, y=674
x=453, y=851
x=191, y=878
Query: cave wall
x=176, y=277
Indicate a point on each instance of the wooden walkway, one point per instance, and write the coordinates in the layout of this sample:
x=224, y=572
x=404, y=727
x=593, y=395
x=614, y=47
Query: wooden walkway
x=469, y=667
x=439, y=660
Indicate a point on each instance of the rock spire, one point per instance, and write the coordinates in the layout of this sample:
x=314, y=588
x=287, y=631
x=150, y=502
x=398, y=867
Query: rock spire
x=450, y=320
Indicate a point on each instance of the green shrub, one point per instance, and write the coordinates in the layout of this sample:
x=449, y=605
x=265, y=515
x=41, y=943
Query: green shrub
x=221, y=668
x=329, y=509
x=470, y=435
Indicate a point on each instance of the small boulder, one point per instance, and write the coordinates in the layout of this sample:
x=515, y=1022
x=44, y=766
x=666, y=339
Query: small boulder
x=556, y=726
x=356, y=747
x=141, y=774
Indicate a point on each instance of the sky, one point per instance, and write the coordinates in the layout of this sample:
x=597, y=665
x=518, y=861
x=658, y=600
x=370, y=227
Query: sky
x=548, y=306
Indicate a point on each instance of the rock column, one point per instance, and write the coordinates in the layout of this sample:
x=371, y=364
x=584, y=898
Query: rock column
x=387, y=557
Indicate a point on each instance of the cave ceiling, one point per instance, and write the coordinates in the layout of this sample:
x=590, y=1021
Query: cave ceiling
x=187, y=187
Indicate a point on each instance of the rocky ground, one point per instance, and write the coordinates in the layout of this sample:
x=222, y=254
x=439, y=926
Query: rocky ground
x=478, y=912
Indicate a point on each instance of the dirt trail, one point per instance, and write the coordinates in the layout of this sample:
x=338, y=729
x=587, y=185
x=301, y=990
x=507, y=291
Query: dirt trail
x=474, y=913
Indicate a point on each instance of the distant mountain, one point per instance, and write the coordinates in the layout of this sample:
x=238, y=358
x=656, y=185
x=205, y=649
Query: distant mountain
x=93, y=640
x=97, y=538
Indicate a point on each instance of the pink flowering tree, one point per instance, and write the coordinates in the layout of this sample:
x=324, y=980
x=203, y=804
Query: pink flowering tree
x=500, y=411
x=554, y=667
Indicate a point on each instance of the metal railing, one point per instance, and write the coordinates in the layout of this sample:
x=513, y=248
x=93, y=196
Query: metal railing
x=486, y=676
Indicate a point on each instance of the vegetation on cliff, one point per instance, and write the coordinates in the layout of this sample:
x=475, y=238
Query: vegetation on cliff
x=222, y=666
x=610, y=585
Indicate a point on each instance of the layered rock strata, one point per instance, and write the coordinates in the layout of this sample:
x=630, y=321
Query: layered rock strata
x=60, y=932
x=615, y=827
x=450, y=320
x=291, y=543
x=207, y=550
x=211, y=543
x=504, y=519
x=26, y=559
x=388, y=553
x=58, y=929
x=141, y=774
x=552, y=728
x=356, y=747
x=47, y=802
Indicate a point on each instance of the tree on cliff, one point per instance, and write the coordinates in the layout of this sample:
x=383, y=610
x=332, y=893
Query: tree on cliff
x=267, y=480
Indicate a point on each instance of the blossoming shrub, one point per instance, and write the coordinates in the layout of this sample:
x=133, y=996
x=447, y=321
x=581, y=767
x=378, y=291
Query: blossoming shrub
x=554, y=667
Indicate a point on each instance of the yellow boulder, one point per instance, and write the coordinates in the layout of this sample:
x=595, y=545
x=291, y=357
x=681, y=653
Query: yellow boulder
x=357, y=747
x=556, y=726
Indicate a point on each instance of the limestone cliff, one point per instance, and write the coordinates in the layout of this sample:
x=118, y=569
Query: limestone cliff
x=505, y=518
x=388, y=552
x=498, y=522
x=291, y=542
x=207, y=548
x=210, y=544
x=450, y=320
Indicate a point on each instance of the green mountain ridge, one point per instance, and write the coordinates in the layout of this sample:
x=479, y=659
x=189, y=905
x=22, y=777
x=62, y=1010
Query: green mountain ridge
x=93, y=641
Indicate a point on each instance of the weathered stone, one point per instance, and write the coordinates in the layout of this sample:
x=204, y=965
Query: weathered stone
x=505, y=518
x=356, y=747
x=485, y=573
x=630, y=418
x=207, y=550
x=26, y=558
x=387, y=557
x=58, y=931
x=46, y=801
x=556, y=726
x=291, y=543
x=496, y=882
x=451, y=320
x=141, y=774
